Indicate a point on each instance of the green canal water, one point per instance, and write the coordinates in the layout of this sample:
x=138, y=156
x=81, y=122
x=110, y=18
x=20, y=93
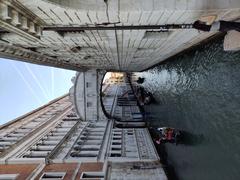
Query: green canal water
x=199, y=92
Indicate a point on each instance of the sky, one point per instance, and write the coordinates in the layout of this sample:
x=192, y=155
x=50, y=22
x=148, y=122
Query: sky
x=25, y=87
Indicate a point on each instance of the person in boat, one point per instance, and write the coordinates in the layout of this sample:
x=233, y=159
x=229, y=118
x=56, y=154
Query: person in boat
x=222, y=26
x=147, y=100
x=158, y=141
x=165, y=135
x=140, y=95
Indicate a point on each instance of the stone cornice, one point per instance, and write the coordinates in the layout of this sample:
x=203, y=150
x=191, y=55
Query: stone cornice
x=16, y=18
x=21, y=54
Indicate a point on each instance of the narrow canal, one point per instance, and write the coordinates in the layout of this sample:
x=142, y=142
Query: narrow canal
x=199, y=92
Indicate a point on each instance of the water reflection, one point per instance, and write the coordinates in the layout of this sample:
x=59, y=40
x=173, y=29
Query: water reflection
x=190, y=139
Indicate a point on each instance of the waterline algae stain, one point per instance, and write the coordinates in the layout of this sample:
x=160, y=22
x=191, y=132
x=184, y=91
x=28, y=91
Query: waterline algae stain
x=199, y=92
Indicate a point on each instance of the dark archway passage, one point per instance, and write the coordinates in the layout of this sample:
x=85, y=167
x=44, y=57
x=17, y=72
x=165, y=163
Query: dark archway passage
x=119, y=102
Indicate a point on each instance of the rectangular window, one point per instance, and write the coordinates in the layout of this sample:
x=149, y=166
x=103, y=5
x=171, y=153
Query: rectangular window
x=8, y=176
x=53, y=175
x=116, y=143
x=88, y=84
x=115, y=155
x=117, y=138
x=117, y=130
x=92, y=175
x=89, y=104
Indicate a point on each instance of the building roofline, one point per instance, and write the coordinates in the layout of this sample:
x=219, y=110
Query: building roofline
x=32, y=112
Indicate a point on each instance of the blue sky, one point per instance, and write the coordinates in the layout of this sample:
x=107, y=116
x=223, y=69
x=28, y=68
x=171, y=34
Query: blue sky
x=25, y=86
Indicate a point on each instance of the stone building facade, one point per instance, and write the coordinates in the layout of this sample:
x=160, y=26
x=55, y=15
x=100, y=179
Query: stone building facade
x=54, y=142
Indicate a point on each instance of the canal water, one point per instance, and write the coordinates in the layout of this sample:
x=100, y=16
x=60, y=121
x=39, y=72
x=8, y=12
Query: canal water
x=199, y=93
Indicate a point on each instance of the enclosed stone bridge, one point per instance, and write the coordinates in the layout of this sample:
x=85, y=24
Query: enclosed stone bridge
x=85, y=95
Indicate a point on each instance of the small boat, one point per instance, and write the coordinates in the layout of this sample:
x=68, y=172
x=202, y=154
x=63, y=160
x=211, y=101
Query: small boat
x=167, y=134
x=143, y=96
x=148, y=98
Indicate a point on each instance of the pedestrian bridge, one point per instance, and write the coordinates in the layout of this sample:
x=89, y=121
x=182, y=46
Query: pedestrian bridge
x=94, y=100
